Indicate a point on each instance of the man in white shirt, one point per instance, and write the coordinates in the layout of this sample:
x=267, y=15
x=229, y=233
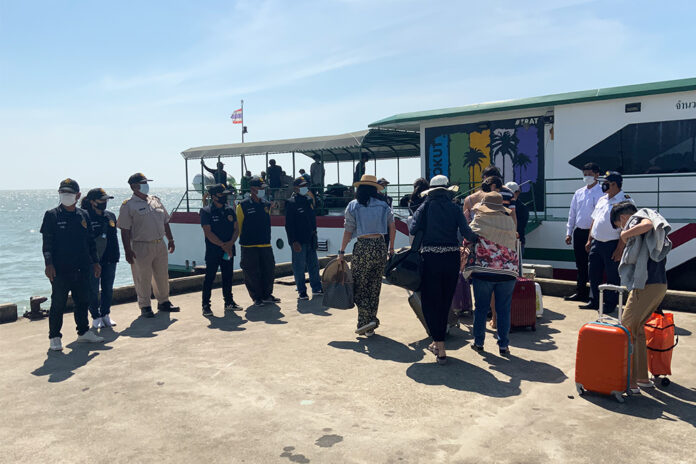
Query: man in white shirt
x=603, y=244
x=578, y=228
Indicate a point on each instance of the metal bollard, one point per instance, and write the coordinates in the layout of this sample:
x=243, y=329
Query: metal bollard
x=35, y=313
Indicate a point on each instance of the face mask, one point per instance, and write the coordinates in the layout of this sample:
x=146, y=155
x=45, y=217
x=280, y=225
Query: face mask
x=303, y=190
x=605, y=186
x=144, y=189
x=101, y=206
x=222, y=199
x=68, y=199
x=588, y=180
x=261, y=193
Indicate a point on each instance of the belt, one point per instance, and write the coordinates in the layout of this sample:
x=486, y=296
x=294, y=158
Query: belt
x=159, y=240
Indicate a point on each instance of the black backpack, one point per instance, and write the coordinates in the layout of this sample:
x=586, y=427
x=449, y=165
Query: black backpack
x=404, y=269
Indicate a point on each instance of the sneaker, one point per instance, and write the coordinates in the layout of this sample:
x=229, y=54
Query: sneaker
x=167, y=306
x=366, y=328
x=89, y=337
x=55, y=344
x=108, y=322
x=477, y=348
x=505, y=351
x=207, y=311
x=648, y=384
x=258, y=303
x=271, y=299
x=318, y=292
x=303, y=296
x=146, y=312
x=232, y=306
x=369, y=333
x=97, y=323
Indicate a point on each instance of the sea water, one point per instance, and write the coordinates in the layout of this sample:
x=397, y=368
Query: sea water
x=21, y=260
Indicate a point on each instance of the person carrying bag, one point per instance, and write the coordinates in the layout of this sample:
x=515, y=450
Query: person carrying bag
x=337, y=281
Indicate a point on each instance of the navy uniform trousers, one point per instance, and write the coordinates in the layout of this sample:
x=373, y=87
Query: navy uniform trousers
x=601, y=262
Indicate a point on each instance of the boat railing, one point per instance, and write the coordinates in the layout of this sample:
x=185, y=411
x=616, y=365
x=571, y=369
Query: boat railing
x=672, y=195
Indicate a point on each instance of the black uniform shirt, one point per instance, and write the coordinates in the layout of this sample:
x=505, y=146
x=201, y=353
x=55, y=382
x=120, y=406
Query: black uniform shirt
x=67, y=240
x=254, y=223
x=300, y=219
x=221, y=222
x=104, y=228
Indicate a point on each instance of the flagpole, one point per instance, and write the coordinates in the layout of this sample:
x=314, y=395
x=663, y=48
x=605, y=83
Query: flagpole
x=242, y=121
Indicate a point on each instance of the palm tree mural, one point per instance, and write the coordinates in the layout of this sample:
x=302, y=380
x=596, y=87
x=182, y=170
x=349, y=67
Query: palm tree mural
x=504, y=144
x=521, y=161
x=472, y=158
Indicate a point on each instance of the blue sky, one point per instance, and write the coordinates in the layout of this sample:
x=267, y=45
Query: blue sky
x=99, y=90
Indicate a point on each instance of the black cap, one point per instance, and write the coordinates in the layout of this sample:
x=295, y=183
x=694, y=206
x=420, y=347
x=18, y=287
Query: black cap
x=98, y=194
x=217, y=189
x=68, y=185
x=612, y=176
x=383, y=181
x=256, y=181
x=137, y=178
x=300, y=182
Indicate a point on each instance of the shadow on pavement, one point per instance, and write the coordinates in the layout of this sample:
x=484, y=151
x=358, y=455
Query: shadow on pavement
x=313, y=306
x=672, y=403
x=268, y=313
x=143, y=327
x=518, y=368
x=229, y=322
x=381, y=348
x=460, y=375
x=60, y=366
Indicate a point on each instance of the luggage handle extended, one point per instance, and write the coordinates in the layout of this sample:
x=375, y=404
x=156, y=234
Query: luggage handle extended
x=616, y=288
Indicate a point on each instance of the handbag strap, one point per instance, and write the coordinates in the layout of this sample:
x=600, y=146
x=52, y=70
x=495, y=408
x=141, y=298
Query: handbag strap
x=418, y=238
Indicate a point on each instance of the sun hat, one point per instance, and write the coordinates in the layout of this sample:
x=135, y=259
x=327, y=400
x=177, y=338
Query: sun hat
x=367, y=179
x=513, y=186
x=440, y=182
x=491, y=202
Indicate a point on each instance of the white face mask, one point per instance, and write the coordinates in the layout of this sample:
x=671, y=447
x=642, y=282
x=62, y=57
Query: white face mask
x=144, y=188
x=261, y=193
x=68, y=199
x=303, y=190
x=588, y=180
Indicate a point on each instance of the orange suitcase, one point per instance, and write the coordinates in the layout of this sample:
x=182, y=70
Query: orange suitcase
x=603, y=359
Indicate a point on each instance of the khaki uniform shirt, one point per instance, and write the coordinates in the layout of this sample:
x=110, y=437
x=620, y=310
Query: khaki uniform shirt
x=144, y=218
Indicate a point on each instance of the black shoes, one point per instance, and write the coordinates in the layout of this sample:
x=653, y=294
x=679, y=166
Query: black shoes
x=207, y=311
x=168, y=307
x=232, y=306
x=303, y=296
x=577, y=297
x=146, y=312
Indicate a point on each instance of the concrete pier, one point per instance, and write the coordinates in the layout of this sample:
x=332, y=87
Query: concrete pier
x=293, y=383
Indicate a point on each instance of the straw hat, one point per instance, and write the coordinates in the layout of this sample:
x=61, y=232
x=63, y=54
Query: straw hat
x=367, y=179
x=492, y=202
x=440, y=182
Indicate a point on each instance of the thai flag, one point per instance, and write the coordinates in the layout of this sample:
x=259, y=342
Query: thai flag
x=237, y=116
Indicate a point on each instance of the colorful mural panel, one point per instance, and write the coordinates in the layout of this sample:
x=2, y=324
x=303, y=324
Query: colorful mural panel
x=515, y=146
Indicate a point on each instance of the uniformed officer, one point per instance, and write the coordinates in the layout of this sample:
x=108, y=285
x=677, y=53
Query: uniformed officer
x=301, y=227
x=578, y=227
x=603, y=244
x=144, y=221
x=70, y=256
x=105, y=237
x=220, y=227
x=257, y=260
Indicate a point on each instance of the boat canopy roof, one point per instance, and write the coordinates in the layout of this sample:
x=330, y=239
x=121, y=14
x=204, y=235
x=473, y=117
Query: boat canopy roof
x=411, y=121
x=377, y=143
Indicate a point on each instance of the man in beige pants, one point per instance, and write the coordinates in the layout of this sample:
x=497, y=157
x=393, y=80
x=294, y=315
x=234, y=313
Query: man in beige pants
x=144, y=222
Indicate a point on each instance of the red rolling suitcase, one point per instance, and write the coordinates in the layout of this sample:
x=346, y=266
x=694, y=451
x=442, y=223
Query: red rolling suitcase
x=603, y=359
x=523, y=306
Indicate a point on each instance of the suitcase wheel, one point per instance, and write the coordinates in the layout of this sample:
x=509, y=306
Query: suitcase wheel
x=534, y=328
x=665, y=381
x=619, y=397
x=580, y=389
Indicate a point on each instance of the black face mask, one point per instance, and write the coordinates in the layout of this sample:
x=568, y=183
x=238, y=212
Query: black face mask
x=101, y=206
x=222, y=199
x=606, y=186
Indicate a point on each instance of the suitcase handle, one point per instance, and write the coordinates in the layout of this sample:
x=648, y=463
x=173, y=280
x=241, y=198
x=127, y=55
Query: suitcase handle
x=616, y=288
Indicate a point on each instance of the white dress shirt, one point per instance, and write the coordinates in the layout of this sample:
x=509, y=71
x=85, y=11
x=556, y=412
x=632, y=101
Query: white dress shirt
x=581, y=207
x=602, y=229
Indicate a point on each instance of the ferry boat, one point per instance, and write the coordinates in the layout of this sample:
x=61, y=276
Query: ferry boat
x=646, y=131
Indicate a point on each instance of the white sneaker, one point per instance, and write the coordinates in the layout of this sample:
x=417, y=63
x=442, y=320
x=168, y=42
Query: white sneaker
x=106, y=320
x=367, y=327
x=89, y=337
x=55, y=344
x=369, y=333
x=97, y=323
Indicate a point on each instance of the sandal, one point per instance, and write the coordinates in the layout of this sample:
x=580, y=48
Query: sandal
x=442, y=360
x=433, y=349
